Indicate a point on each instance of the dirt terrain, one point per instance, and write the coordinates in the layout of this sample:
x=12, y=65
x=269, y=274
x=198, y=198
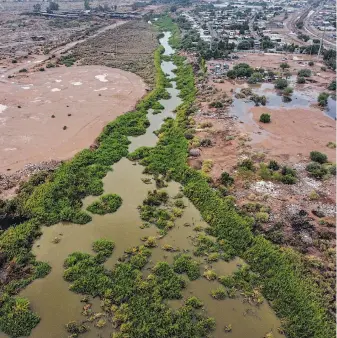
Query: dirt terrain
x=54, y=114
x=299, y=215
x=130, y=47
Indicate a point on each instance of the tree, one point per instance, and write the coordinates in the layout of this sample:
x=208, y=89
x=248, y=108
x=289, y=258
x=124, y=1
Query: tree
x=53, y=6
x=37, y=8
x=87, y=5
x=304, y=73
x=284, y=65
x=265, y=118
x=323, y=99
x=281, y=83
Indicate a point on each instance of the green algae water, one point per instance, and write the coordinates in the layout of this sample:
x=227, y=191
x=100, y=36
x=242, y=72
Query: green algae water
x=51, y=298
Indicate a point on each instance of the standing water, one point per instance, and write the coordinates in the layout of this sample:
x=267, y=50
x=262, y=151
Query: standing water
x=50, y=297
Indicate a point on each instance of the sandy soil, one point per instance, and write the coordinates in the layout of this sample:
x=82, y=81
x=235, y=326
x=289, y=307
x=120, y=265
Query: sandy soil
x=294, y=132
x=83, y=99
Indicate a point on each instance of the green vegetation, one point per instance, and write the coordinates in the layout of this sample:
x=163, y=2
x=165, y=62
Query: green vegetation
x=284, y=65
x=67, y=60
x=226, y=179
x=332, y=85
x=103, y=248
x=16, y=318
x=311, y=63
x=23, y=70
x=106, y=204
x=319, y=157
x=136, y=304
x=272, y=172
x=265, y=118
x=51, y=198
x=281, y=83
x=300, y=79
x=240, y=70
x=304, y=73
x=323, y=99
x=185, y=264
x=287, y=91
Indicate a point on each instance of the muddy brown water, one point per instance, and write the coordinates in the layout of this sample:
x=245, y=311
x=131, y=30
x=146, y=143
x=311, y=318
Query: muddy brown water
x=50, y=297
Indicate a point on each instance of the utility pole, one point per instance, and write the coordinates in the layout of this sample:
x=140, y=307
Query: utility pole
x=320, y=46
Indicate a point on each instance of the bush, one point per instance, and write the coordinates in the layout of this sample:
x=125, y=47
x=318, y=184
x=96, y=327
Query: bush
x=265, y=118
x=247, y=164
x=311, y=63
x=281, y=83
x=300, y=79
x=319, y=157
x=23, y=70
x=332, y=85
x=106, y=204
x=323, y=69
x=41, y=69
x=273, y=165
x=287, y=91
x=284, y=65
x=219, y=293
x=103, y=248
x=316, y=170
x=185, y=264
x=304, y=73
x=323, y=99
x=226, y=179
x=262, y=217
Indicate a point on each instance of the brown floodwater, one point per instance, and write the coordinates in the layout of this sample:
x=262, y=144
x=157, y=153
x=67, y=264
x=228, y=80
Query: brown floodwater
x=50, y=297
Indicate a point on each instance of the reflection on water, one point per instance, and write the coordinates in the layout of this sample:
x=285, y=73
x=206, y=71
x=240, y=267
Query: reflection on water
x=51, y=298
x=331, y=109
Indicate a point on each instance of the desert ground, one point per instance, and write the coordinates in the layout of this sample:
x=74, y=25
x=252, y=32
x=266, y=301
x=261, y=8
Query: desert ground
x=54, y=114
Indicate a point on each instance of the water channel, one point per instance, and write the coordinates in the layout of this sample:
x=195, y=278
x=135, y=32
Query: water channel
x=50, y=297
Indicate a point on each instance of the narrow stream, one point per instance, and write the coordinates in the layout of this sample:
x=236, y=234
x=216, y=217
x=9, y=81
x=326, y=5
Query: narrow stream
x=50, y=297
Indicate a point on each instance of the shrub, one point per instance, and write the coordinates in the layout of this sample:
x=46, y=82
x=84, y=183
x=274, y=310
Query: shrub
x=287, y=91
x=216, y=104
x=195, y=302
x=41, y=69
x=265, y=118
x=14, y=61
x=207, y=166
x=206, y=142
x=300, y=79
x=219, y=293
x=226, y=179
x=50, y=65
x=185, y=264
x=281, y=83
x=247, y=164
x=273, y=165
x=262, y=217
x=311, y=63
x=103, y=248
x=23, y=70
x=332, y=85
x=323, y=99
x=316, y=170
x=319, y=157
x=304, y=73
x=284, y=65
x=106, y=204
x=331, y=145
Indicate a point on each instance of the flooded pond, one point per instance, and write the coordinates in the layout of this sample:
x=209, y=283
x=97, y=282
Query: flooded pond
x=50, y=297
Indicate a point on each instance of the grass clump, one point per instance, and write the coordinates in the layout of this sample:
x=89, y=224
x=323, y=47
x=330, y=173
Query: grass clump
x=323, y=99
x=210, y=275
x=265, y=118
x=185, y=264
x=195, y=302
x=220, y=293
x=106, y=204
x=103, y=248
x=304, y=73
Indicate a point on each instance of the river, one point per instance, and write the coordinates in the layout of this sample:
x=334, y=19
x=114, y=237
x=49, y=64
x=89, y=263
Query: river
x=50, y=297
